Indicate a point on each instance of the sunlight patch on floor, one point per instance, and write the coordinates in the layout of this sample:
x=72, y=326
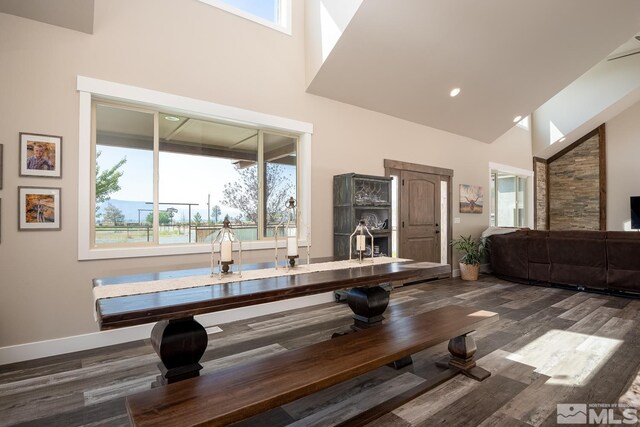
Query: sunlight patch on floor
x=568, y=358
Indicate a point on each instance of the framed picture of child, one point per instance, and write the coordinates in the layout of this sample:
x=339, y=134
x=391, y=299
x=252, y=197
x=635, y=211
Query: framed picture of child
x=40, y=155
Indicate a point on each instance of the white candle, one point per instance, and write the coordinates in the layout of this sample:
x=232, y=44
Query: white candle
x=360, y=242
x=292, y=246
x=225, y=251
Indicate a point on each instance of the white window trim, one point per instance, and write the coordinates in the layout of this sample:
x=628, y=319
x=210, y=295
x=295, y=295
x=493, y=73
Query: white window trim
x=285, y=12
x=519, y=172
x=89, y=87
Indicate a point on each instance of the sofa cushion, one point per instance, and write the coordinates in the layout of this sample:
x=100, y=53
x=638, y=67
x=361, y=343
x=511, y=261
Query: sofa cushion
x=623, y=257
x=508, y=254
x=579, y=260
x=537, y=246
x=538, y=256
x=579, y=234
x=623, y=235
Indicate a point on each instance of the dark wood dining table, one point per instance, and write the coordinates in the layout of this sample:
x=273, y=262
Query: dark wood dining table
x=180, y=341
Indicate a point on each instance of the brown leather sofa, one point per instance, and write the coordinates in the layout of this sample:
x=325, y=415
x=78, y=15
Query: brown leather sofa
x=597, y=260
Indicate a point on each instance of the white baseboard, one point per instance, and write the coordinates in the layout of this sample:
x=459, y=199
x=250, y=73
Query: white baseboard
x=37, y=350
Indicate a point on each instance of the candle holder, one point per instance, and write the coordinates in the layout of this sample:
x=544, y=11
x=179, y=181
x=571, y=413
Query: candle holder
x=361, y=241
x=225, y=239
x=290, y=234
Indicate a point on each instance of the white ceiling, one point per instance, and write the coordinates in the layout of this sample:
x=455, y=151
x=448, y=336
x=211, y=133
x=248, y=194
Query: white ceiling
x=509, y=57
x=73, y=14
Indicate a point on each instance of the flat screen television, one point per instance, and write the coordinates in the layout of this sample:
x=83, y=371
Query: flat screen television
x=635, y=212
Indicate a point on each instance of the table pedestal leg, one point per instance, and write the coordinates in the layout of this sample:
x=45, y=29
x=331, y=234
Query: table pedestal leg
x=368, y=305
x=180, y=343
x=462, y=349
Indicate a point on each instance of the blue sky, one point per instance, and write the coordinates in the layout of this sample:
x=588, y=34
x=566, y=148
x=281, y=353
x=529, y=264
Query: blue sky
x=263, y=8
x=183, y=178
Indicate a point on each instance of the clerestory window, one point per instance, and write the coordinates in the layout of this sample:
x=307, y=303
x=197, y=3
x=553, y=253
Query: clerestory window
x=275, y=14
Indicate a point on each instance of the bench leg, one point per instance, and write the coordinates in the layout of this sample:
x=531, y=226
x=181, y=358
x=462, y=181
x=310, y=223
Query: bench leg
x=462, y=349
x=180, y=343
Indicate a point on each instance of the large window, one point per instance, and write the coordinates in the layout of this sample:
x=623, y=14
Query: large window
x=206, y=172
x=158, y=173
x=508, y=199
x=275, y=14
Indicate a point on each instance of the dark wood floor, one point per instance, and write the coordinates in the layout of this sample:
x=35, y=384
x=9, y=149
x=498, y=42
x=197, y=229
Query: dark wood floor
x=550, y=346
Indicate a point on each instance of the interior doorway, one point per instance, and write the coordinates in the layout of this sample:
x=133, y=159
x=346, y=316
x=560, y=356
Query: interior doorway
x=423, y=211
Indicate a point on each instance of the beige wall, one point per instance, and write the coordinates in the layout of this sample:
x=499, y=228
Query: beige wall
x=623, y=158
x=198, y=51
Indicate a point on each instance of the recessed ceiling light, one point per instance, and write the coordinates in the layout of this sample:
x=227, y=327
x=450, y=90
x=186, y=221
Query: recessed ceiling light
x=516, y=119
x=172, y=118
x=454, y=92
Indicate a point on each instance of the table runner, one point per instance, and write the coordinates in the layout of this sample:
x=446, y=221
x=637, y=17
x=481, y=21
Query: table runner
x=136, y=288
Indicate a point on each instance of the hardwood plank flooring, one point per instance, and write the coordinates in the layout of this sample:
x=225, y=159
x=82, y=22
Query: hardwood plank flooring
x=549, y=346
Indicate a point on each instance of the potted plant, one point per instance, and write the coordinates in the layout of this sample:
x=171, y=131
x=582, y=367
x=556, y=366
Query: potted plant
x=472, y=251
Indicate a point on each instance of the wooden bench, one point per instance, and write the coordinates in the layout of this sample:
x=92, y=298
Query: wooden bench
x=242, y=391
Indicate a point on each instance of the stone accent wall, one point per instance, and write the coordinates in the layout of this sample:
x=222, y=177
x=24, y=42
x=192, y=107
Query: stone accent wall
x=541, y=195
x=574, y=188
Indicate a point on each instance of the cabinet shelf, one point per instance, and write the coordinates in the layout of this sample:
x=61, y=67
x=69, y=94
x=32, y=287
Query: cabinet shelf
x=361, y=197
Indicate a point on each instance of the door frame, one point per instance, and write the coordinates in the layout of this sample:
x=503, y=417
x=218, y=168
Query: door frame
x=394, y=167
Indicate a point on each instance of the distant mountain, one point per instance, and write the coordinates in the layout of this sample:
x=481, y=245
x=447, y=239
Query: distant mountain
x=132, y=210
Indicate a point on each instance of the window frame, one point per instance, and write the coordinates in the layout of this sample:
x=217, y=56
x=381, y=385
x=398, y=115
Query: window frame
x=91, y=89
x=94, y=104
x=518, y=172
x=284, y=24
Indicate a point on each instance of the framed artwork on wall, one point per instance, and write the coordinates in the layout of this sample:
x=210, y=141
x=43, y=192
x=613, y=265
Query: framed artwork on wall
x=471, y=199
x=38, y=208
x=40, y=155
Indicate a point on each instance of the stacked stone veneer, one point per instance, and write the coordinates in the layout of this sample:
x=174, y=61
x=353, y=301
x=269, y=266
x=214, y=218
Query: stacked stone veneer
x=574, y=188
x=541, y=195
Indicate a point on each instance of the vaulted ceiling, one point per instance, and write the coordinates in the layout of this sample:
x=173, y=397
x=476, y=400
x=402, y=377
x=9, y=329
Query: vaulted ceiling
x=72, y=14
x=508, y=57
x=402, y=58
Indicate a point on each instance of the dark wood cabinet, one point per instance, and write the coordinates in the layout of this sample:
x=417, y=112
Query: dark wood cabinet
x=361, y=197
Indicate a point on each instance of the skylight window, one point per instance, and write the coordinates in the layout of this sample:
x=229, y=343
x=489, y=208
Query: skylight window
x=524, y=123
x=275, y=14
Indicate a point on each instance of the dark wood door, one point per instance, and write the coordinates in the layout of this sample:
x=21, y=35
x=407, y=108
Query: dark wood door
x=420, y=216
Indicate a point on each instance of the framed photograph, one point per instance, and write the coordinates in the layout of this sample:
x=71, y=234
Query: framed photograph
x=40, y=155
x=471, y=199
x=38, y=208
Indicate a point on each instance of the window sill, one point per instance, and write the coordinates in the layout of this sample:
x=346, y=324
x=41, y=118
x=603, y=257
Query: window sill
x=201, y=248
